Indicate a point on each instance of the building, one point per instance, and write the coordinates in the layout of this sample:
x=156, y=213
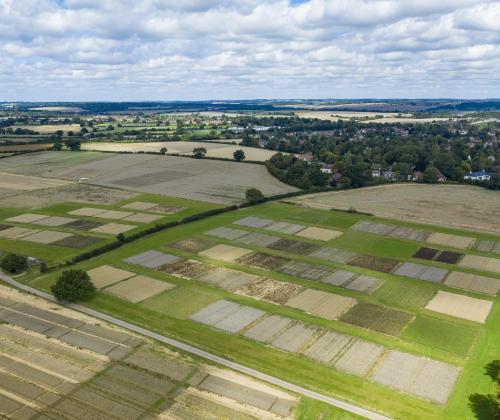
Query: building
x=478, y=176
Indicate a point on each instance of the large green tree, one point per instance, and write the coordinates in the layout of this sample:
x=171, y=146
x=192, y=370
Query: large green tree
x=73, y=285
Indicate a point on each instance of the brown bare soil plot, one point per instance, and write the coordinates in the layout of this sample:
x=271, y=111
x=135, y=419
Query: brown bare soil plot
x=46, y=237
x=17, y=232
x=322, y=304
x=139, y=288
x=446, y=239
x=261, y=260
x=448, y=257
x=319, y=234
x=460, y=306
x=194, y=245
x=271, y=290
x=189, y=269
x=385, y=265
x=113, y=228
x=77, y=241
x=106, y=275
x=294, y=247
x=426, y=253
x=27, y=218
x=227, y=253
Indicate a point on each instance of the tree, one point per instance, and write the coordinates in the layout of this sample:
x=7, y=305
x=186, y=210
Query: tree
x=73, y=285
x=57, y=146
x=431, y=175
x=73, y=144
x=254, y=196
x=239, y=155
x=14, y=263
x=163, y=151
x=487, y=407
x=199, y=152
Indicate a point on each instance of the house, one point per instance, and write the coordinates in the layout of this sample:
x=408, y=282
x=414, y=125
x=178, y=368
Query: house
x=326, y=169
x=478, y=176
x=306, y=157
x=441, y=177
x=417, y=176
x=376, y=172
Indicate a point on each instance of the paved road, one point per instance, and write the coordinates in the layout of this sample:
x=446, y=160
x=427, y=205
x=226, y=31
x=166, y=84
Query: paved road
x=201, y=353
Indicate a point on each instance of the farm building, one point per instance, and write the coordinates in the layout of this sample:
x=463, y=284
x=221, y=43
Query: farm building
x=478, y=176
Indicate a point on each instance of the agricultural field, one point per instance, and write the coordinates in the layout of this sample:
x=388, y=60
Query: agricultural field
x=367, y=117
x=305, y=295
x=419, y=203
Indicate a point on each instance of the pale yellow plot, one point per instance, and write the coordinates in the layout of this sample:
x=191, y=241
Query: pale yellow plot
x=322, y=304
x=481, y=263
x=17, y=232
x=455, y=241
x=46, y=237
x=87, y=211
x=319, y=234
x=460, y=306
x=106, y=275
x=473, y=282
x=113, y=228
x=27, y=218
x=28, y=183
x=142, y=218
x=139, y=288
x=139, y=205
x=227, y=253
x=114, y=214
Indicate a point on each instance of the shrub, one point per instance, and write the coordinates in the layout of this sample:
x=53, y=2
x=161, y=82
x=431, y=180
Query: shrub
x=73, y=285
x=254, y=196
x=14, y=263
x=239, y=155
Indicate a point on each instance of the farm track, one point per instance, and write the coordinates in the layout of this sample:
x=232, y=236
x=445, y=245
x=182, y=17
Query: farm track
x=201, y=353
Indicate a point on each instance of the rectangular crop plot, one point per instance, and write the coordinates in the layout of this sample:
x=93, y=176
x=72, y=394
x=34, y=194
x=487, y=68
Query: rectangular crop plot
x=17, y=232
x=377, y=228
x=305, y=270
x=326, y=347
x=114, y=214
x=267, y=328
x=323, y=304
x=215, y=312
x=261, y=260
x=332, y=254
x=319, y=234
x=255, y=222
x=385, y=265
x=139, y=206
x=226, y=233
x=27, y=218
x=46, y=237
x=139, y=288
x=364, y=284
x=477, y=263
x=421, y=272
x=142, y=218
x=151, y=259
x=284, y=227
x=106, y=275
x=258, y=239
x=339, y=277
x=455, y=241
x=188, y=269
x=425, y=253
x=294, y=247
x=485, y=245
x=113, y=228
x=194, y=245
x=294, y=338
x=54, y=221
x=240, y=319
x=227, y=253
x=161, y=208
x=359, y=358
x=448, y=257
x=433, y=274
x=228, y=279
x=83, y=224
x=418, y=376
x=87, y=211
x=473, y=282
x=270, y=290
x=460, y=306
x=408, y=269
x=77, y=241
x=377, y=318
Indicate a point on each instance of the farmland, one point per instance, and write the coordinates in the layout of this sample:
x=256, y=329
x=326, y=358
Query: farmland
x=249, y=285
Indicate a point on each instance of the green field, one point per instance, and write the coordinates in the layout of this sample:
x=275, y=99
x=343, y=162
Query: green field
x=453, y=340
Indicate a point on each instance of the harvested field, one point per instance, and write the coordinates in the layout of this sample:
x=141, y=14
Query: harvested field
x=426, y=253
x=54, y=221
x=151, y=259
x=446, y=239
x=139, y=288
x=87, y=211
x=284, y=227
x=323, y=304
x=261, y=260
x=77, y=241
x=258, y=239
x=364, y=284
x=332, y=254
x=460, y=306
x=239, y=319
x=418, y=376
x=84, y=224
x=17, y=232
x=305, y=270
x=294, y=247
x=270, y=290
x=267, y=328
x=227, y=253
x=27, y=218
x=449, y=257
x=14, y=182
x=226, y=233
x=327, y=347
x=385, y=265
x=227, y=278
x=421, y=272
x=377, y=318
x=359, y=358
x=106, y=275
x=142, y=218
x=46, y=237
x=473, y=282
x=434, y=204
x=188, y=269
x=52, y=128
x=193, y=245
x=294, y=338
x=113, y=228
x=480, y=263
x=255, y=222
x=319, y=234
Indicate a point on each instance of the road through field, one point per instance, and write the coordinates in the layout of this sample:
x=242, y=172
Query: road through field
x=201, y=353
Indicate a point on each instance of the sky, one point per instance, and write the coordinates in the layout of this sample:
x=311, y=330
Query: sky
x=132, y=50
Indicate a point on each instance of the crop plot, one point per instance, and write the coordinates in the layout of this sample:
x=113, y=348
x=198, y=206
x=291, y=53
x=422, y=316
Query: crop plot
x=17, y=232
x=446, y=239
x=27, y=218
x=411, y=294
x=460, y=306
x=46, y=237
x=193, y=245
x=255, y=222
x=323, y=304
x=332, y=254
x=364, y=284
x=139, y=206
x=106, y=275
x=227, y=253
x=339, y=277
x=487, y=246
x=377, y=228
x=294, y=247
x=477, y=263
x=270, y=290
x=294, y=338
x=420, y=376
x=83, y=224
x=87, y=211
x=284, y=227
x=327, y=346
x=77, y=241
x=114, y=214
x=54, y=221
x=305, y=270
x=258, y=239
x=385, y=265
x=113, y=228
x=391, y=230
x=425, y=253
x=359, y=358
x=267, y=328
x=473, y=282
x=151, y=259
x=319, y=234
x=377, y=318
x=159, y=365
x=142, y=218
x=227, y=278
x=239, y=319
x=449, y=257
x=138, y=288
x=421, y=272
x=226, y=233
x=188, y=269
x=262, y=260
